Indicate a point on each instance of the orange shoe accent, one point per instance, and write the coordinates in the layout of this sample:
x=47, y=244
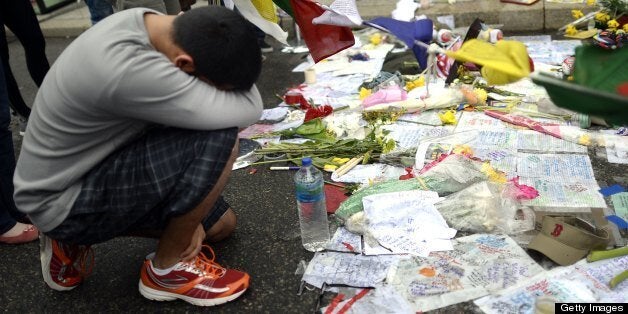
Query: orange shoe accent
x=64, y=266
x=202, y=282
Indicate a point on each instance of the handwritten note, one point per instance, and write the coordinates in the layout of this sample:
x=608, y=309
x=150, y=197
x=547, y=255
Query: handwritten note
x=335, y=268
x=340, y=13
x=475, y=121
x=530, y=140
x=562, y=193
x=408, y=136
x=582, y=282
x=478, y=265
x=557, y=166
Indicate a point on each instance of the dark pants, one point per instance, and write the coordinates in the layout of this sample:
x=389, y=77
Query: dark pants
x=138, y=189
x=19, y=17
x=7, y=162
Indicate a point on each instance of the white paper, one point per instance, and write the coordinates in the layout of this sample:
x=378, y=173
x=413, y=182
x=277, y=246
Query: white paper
x=562, y=167
x=335, y=268
x=478, y=265
x=616, y=148
x=582, y=282
x=345, y=241
x=405, y=222
x=369, y=173
x=535, y=141
x=475, y=121
x=274, y=114
x=571, y=195
x=340, y=13
x=408, y=135
x=382, y=300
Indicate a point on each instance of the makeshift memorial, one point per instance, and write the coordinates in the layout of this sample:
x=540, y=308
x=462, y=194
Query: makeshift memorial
x=565, y=240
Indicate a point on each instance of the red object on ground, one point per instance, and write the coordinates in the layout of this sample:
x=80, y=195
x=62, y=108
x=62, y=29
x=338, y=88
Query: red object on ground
x=318, y=112
x=334, y=195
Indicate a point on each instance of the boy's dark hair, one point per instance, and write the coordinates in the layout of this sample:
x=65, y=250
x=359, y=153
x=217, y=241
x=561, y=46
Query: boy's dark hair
x=223, y=45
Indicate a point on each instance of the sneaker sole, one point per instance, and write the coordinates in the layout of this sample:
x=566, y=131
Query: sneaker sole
x=45, y=255
x=159, y=295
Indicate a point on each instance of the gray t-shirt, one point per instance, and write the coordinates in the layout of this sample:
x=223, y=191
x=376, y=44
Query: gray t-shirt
x=104, y=90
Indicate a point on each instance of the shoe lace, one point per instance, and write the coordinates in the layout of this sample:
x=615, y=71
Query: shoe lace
x=206, y=265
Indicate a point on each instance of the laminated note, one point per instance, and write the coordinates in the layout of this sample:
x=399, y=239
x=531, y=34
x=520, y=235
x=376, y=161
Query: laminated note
x=478, y=265
x=503, y=139
x=501, y=159
x=475, y=120
x=335, y=268
x=534, y=141
x=581, y=282
x=408, y=136
x=555, y=166
x=572, y=195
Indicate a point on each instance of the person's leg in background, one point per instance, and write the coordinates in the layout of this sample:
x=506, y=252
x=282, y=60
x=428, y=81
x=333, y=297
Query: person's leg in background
x=11, y=231
x=99, y=9
x=173, y=7
x=261, y=39
x=19, y=17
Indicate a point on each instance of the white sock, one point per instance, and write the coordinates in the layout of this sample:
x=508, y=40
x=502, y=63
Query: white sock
x=162, y=272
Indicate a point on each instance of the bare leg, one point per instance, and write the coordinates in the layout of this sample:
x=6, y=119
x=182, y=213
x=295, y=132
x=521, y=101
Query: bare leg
x=178, y=233
x=222, y=228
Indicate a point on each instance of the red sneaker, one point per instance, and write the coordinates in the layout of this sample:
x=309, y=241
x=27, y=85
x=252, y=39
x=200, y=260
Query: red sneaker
x=201, y=282
x=64, y=266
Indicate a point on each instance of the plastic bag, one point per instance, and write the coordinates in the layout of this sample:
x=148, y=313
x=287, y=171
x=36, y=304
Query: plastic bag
x=353, y=204
x=486, y=207
x=455, y=172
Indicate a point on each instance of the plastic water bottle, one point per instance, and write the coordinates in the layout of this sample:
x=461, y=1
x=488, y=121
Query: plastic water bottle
x=311, y=204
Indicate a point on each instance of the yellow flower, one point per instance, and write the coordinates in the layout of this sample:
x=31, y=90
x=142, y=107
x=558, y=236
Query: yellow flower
x=364, y=92
x=577, y=14
x=376, y=39
x=571, y=30
x=330, y=168
x=448, y=117
x=612, y=24
x=590, y=2
x=625, y=28
x=339, y=161
x=602, y=17
x=481, y=94
x=416, y=83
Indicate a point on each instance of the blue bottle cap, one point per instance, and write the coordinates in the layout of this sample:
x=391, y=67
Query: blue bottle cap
x=306, y=161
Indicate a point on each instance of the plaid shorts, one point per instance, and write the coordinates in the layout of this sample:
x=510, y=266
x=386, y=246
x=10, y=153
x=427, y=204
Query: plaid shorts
x=165, y=173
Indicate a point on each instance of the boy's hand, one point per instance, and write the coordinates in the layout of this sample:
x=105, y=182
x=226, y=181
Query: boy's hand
x=195, y=244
